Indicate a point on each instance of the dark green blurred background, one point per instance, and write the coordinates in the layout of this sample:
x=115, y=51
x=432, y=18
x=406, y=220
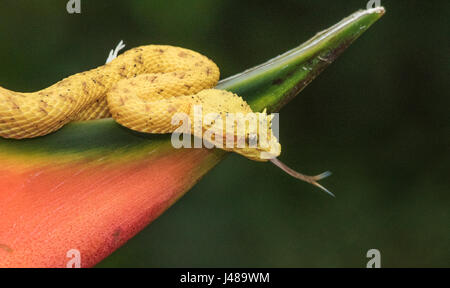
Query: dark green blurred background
x=378, y=118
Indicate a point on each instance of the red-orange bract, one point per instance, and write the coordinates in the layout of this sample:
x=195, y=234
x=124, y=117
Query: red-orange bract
x=93, y=185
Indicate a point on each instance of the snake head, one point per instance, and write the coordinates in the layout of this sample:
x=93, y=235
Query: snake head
x=260, y=142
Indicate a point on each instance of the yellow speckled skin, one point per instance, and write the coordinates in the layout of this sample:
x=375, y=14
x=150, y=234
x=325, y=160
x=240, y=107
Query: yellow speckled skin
x=141, y=89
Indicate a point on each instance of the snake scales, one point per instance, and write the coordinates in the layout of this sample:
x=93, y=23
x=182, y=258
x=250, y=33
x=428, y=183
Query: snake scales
x=142, y=89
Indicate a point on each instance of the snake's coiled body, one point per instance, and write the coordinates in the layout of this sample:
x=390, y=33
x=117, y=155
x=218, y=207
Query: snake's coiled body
x=142, y=89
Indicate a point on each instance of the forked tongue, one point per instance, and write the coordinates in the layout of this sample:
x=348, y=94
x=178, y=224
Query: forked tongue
x=310, y=179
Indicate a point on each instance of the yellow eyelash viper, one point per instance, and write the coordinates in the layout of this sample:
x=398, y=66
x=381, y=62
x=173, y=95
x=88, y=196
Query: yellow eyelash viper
x=141, y=89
